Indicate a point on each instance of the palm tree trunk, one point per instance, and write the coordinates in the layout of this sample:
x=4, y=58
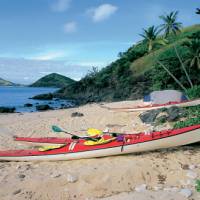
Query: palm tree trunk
x=167, y=70
x=183, y=67
x=176, y=80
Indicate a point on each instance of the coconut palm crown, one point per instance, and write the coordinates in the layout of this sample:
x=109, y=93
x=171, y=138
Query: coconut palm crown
x=198, y=11
x=150, y=36
x=170, y=24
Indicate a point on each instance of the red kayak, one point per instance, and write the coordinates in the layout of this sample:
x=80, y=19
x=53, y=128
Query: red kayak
x=123, y=144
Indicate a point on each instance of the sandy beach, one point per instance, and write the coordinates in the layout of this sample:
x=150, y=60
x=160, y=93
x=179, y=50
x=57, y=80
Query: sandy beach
x=165, y=174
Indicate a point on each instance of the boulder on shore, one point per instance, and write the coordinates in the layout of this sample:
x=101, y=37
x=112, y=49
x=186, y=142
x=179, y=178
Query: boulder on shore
x=7, y=109
x=149, y=116
x=43, y=107
x=28, y=105
x=77, y=114
x=162, y=115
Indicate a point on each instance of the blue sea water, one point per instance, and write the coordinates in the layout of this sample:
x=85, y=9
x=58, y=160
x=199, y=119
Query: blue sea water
x=18, y=96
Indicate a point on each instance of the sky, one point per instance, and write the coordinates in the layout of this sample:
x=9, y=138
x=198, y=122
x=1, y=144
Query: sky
x=38, y=37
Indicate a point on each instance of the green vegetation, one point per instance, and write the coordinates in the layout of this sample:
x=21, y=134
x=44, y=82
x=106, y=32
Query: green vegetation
x=53, y=80
x=189, y=122
x=194, y=51
x=191, y=117
x=194, y=93
x=150, y=36
x=197, y=185
x=198, y=11
x=170, y=24
x=6, y=83
x=167, y=61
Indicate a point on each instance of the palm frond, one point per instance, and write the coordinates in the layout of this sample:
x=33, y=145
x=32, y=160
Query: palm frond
x=150, y=35
x=170, y=23
x=198, y=63
x=198, y=11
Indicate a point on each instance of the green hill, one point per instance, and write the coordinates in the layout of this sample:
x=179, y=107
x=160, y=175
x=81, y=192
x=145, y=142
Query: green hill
x=6, y=83
x=53, y=80
x=144, y=63
x=136, y=73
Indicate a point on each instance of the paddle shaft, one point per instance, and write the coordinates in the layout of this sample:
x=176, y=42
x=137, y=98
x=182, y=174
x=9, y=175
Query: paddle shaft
x=79, y=137
x=69, y=133
x=85, y=138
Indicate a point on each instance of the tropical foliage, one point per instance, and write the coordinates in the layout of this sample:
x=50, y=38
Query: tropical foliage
x=137, y=72
x=150, y=36
x=194, y=52
x=192, y=117
x=170, y=24
x=197, y=187
x=198, y=11
x=194, y=92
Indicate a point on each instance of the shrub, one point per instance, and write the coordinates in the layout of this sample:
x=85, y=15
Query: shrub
x=194, y=92
x=192, y=115
x=197, y=185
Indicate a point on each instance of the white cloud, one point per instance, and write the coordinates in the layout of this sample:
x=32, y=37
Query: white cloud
x=92, y=64
x=18, y=70
x=60, y=5
x=48, y=56
x=70, y=27
x=102, y=12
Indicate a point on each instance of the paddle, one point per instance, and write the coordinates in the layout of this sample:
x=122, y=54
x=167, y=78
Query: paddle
x=57, y=129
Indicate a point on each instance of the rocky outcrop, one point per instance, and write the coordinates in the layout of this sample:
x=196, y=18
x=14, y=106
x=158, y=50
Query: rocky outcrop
x=28, y=105
x=7, y=109
x=162, y=115
x=48, y=96
x=43, y=107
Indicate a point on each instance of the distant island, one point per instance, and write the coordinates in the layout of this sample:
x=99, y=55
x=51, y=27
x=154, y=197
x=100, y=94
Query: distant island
x=53, y=80
x=7, y=83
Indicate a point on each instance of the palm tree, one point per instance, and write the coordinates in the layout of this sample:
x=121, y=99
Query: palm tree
x=198, y=11
x=194, y=52
x=150, y=36
x=170, y=24
x=175, y=79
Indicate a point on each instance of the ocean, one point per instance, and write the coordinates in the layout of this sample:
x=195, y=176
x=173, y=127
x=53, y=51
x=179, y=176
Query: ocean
x=18, y=96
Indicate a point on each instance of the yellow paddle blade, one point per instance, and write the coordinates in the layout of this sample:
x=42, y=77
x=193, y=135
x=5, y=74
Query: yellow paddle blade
x=101, y=141
x=50, y=147
x=93, y=132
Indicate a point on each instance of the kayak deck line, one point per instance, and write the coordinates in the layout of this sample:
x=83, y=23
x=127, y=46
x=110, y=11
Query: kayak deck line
x=53, y=140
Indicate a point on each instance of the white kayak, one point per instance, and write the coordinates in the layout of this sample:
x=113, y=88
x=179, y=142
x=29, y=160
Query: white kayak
x=156, y=106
